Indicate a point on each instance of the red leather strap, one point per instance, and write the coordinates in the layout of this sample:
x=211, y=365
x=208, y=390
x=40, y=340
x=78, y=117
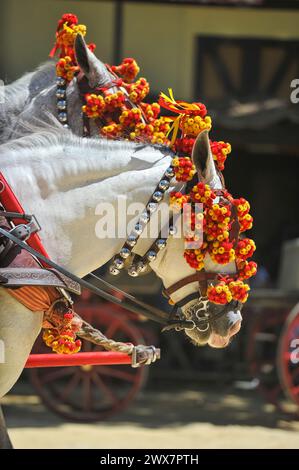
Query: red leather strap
x=200, y=277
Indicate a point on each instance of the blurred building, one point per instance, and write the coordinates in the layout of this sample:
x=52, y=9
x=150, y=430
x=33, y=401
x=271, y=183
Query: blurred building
x=238, y=57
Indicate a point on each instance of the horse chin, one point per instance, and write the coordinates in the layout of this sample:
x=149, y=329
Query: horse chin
x=217, y=341
x=199, y=338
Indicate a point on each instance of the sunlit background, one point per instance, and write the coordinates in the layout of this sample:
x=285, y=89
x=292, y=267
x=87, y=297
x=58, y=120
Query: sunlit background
x=239, y=58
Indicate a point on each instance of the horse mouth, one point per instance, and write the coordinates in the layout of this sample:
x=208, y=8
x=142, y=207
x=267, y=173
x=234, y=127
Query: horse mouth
x=218, y=342
x=218, y=332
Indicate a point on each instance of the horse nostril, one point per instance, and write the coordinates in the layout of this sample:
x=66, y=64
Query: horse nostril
x=235, y=328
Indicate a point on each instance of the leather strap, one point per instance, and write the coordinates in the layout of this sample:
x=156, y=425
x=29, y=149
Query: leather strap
x=235, y=227
x=187, y=299
x=19, y=276
x=196, y=277
x=127, y=301
x=18, y=267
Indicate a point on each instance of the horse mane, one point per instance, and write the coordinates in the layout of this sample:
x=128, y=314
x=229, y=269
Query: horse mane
x=18, y=93
x=36, y=80
x=44, y=134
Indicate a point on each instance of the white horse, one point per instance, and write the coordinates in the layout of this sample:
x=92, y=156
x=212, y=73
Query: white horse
x=32, y=98
x=62, y=179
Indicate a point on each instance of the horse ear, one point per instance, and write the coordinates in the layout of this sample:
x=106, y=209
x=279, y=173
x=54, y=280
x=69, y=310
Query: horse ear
x=202, y=157
x=82, y=54
x=90, y=65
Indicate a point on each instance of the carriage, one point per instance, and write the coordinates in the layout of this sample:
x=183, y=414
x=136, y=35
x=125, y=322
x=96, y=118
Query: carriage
x=273, y=338
x=104, y=383
x=265, y=357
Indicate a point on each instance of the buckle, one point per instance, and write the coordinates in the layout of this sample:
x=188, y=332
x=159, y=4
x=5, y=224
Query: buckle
x=144, y=355
x=179, y=325
x=23, y=231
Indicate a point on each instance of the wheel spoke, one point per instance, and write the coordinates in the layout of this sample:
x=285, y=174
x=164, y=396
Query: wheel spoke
x=111, y=330
x=87, y=392
x=104, y=388
x=293, y=382
x=116, y=373
x=58, y=373
x=87, y=346
x=70, y=386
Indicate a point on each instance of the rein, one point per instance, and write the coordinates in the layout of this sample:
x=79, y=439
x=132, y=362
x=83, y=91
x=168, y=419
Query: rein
x=130, y=303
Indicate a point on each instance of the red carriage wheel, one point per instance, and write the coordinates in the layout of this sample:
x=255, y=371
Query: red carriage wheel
x=288, y=356
x=92, y=393
x=261, y=351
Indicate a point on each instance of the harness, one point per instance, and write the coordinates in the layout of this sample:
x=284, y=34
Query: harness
x=23, y=235
x=35, y=268
x=140, y=264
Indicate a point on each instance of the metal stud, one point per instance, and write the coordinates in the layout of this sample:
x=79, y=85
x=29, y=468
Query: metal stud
x=132, y=271
x=169, y=173
x=138, y=229
x=163, y=185
x=144, y=217
x=61, y=105
x=141, y=266
x=62, y=117
x=66, y=126
x=60, y=93
x=60, y=81
x=157, y=196
x=152, y=207
x=124, y=252
x=160, y=243
x=151, y=255
x=118, y=263
x=113, y=270
x=131, y=240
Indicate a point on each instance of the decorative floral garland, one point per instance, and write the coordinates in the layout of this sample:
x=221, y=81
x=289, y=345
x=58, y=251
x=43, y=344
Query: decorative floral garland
x=179, y=131
x=216, y=222
x=62, y=339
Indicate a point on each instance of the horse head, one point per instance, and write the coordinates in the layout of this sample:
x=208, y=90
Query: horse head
x=213, y=324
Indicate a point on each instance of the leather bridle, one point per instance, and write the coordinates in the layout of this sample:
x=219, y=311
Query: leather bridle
x=141, y=262
x=92, y=282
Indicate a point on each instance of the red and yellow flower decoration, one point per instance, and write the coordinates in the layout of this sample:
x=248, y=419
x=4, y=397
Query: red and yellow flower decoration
x=124, y=114
x=62, y=338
